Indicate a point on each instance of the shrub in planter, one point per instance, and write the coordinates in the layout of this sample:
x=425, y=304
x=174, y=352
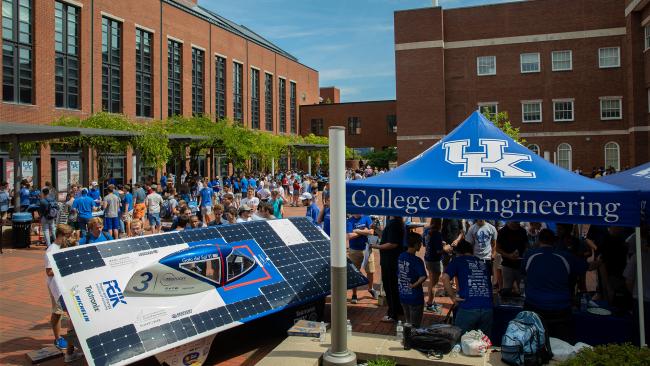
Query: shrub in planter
x=381, y=362
x=611, y=355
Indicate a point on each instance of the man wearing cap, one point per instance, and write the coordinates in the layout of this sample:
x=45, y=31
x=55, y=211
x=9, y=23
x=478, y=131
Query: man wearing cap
x=244, y=214
x=312, y=208
x=83, y=206
x=94, y=193
x=154, y=203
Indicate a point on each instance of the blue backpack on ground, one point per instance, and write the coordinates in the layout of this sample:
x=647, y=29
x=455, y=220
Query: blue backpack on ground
x=526, y=342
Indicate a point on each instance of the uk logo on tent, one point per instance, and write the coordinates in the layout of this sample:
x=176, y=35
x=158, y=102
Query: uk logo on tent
x=493, y=157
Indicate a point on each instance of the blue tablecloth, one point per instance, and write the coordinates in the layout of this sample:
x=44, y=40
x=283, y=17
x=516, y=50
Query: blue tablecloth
x=589, y=328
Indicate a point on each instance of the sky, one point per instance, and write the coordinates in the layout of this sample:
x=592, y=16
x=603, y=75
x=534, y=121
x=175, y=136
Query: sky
x=350, y=42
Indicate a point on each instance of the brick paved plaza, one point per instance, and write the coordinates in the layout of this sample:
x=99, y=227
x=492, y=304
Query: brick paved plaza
x=25, y=315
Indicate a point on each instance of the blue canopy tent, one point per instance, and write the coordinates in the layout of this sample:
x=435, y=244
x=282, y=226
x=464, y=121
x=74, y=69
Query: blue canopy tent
x=477, y=171
x=637, y=178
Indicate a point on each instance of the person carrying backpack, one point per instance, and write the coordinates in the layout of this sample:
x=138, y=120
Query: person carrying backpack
x=48, y=210
x=95, y=233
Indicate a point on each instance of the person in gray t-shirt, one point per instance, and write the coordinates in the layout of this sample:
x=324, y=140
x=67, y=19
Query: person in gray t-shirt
x=111, y=205
x=140, y=195
x=484, y=238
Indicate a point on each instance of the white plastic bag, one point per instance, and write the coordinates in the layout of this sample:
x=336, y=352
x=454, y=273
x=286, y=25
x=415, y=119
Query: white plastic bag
x=475, y=343
x=562, y=350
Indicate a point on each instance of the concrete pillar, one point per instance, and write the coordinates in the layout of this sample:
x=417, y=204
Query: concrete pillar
x=128, y=164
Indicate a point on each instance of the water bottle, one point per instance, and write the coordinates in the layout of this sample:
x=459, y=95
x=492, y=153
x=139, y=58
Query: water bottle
x=322, y=332
x=399, y=330
x=455, y=351
x=349, y=328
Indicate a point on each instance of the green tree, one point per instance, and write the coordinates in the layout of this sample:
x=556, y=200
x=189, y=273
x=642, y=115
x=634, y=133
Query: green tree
x=502, y=121
x=381, y=158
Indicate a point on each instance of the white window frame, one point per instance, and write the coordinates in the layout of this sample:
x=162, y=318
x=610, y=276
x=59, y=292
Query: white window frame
x=620, y=100
x=523, y=103
x=553, y=68
x=478, y=65
x=646, y=37
x=488, y=104
x=521, y=63
x=618, y=155
x=573, y=110
x=570, y=162
x=539, y=150
x=600, y=57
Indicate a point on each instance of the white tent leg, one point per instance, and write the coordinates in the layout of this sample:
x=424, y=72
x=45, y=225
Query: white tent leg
x=639, y=287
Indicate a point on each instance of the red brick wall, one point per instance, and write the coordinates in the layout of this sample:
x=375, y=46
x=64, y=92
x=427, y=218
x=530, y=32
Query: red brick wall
x=331, y=94
x=437, y=86
x=374, y=126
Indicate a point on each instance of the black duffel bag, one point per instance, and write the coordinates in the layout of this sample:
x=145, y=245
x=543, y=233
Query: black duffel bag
x=437, y=339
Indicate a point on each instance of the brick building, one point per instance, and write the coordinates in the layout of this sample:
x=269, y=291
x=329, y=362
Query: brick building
x=147, y=59
x=573, y=75
x=369, y=125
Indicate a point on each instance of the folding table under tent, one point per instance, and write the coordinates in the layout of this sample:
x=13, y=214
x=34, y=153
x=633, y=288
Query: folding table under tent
x=477, y=171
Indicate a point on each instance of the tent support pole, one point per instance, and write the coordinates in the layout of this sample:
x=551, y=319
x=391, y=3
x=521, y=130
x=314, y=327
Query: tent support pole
x=639, y=287
x=338, y=353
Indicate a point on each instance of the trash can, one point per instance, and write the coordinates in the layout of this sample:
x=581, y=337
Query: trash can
x=21, y=225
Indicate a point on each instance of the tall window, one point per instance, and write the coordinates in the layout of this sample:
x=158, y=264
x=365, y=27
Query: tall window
x=255, y=99
x=197, y=81
x=282, y=91
x=531, y=111
x=486, y=65
x=647, y=36
x=143, y=73
x=612, y=156
x=391, y=121
x=268, y=101
x=17, y=56
x=562, y=60
x=293, y=107
x=562, y=110
x=111, y=65
x=174, y=78
x=564, y=155
x=66, y=48
x=354, y=126
x=611, y=108
x=317, y=126
x=220, y=82
x=609, y=57
x=238, y=91
x=529, y=62
x=534, y=148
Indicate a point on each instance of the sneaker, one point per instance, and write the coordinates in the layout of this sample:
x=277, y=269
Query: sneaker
x=61, y=343
x=387, y=319
x=373, y=293
x=73, y=357
x=354, y=299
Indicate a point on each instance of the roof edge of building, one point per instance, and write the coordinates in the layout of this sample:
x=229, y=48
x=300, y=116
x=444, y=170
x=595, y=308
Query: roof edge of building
x=360, y=102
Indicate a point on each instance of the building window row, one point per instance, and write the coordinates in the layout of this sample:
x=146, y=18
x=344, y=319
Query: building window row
x=220, y=83
x=255, y=99
x=293, y=107
x=238, y=91
x=143, y=73
x=564, y=155
x=17, y=51
x=354, y=126
x=174, y=78
x=198, y=59
x=611, y=108
x=268, y=101
x=111, y=65
x=282, y=91
x=66, y=47
x=647, y=37
x=608, y=57
x=317, y=127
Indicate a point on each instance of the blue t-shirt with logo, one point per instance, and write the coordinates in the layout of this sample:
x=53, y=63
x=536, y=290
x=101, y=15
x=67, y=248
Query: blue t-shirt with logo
x=244, y=184
x=326, y=220
x=409, y=269
x=549, y=277
x=474, y=284
x=252, y=182
x=363, y=222
x=24, y=196
x=433, y=242
x=90, y=239
x=128, y=199
x=84, y=206
x=312, y=213
x=206, y=196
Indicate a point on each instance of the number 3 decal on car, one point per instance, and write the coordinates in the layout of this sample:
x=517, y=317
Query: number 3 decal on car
x=145, y=282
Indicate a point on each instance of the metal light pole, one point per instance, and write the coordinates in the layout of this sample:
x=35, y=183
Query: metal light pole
x=338, y=353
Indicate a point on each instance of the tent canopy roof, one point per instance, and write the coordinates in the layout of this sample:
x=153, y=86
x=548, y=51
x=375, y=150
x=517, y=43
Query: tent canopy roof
x=481, y=163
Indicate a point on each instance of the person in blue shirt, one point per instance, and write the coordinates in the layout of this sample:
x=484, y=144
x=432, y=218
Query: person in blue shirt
x=312, y=208
x=550, y=281
x=358, y=228
x=95, y=233
x=324, y=216
x=244, y=183
x=127, y=208
x=95, y=194
x=473, y=299
x=24, y=196
x=84, y=208
x=252, y=182
x=205, y=201
x=410, y=277
x=433, y=259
